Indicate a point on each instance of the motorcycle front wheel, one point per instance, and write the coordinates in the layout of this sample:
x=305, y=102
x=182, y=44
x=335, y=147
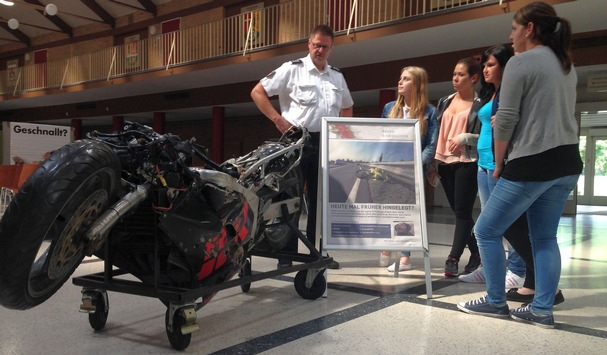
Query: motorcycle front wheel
x=277, y=233
x=41, y=232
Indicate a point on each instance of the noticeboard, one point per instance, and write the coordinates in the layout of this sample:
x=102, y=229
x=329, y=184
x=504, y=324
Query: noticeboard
x=372, y=185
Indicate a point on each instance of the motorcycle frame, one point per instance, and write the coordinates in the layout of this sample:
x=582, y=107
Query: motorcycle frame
x=101, y=228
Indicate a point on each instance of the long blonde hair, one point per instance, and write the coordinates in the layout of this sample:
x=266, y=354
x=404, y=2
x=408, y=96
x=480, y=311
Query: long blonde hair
x=419, y=97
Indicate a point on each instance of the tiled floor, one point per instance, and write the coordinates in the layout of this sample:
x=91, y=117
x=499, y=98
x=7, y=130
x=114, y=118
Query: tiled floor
x=366, y=311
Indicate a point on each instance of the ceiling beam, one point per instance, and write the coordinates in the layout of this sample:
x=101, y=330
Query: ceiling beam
x=41, y=7
x=149, y=6
x=55, y=20
x=35, y=26
x=22, y=37
x=101, y=12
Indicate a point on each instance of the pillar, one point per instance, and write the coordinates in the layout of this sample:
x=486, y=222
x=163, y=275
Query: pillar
x=217, y=130
x=385, y=96
x=76, y=129
x=159, y=123
x=117, y=123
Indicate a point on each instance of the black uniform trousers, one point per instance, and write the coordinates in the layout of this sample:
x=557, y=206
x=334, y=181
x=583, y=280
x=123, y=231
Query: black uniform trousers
x=309, y=167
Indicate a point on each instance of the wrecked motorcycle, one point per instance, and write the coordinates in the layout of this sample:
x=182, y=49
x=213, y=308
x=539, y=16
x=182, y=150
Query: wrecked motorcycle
x=134, y=199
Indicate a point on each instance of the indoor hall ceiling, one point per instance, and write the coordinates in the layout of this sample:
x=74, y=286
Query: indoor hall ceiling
x=586, y=16
x=35, y=17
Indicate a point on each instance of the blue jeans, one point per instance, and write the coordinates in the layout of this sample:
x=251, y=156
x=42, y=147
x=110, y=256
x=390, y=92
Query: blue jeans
x=486, y=184
x=544, y=202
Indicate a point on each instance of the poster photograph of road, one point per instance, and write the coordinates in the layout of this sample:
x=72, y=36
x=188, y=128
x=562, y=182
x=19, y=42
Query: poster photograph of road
x=371, y=172
x=372, y=183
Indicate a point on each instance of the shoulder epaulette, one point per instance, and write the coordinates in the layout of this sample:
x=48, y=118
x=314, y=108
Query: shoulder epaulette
x=336, y=69
x=297, y=61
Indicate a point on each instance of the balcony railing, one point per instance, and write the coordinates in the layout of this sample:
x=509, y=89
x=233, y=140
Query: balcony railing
x=237, y=35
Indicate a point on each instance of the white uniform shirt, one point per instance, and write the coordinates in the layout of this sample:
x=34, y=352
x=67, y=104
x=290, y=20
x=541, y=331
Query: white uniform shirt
x=305, y=94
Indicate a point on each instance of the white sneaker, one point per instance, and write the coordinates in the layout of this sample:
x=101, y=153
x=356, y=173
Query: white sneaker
x=476, y=277
x=401, y=267
x=513, y=280
x=384, y=260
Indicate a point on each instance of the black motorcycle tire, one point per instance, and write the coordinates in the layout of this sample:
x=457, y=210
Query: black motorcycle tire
x=277, y=234
x=41, y=232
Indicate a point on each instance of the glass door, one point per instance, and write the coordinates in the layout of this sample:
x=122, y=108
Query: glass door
x=592, y=185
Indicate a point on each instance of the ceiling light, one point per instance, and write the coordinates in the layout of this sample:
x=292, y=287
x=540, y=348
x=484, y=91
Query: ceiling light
x=13, y=24
x=7, y=3
x=51, y=9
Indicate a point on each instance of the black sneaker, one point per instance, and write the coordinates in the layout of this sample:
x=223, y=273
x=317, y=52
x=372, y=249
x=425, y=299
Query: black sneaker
x=524, y=314
x=473, y=263
x=513, y=295
x=451, y=267
x=482, y=307
x=333, y=265
x=283, y=264
x=558, y=298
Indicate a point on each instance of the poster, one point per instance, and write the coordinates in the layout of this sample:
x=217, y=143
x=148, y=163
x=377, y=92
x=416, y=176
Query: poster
x=131, y=48
x=26, y=143
x=251, y=24
x=12, y=67
x=372, y=179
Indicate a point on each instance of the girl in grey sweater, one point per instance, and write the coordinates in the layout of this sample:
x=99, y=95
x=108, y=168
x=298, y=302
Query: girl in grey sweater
x=536, y=128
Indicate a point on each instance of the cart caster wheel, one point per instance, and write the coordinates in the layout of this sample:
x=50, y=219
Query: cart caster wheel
x=178, y=340
x=244, y=272
x=98, y=318
x=316, y=290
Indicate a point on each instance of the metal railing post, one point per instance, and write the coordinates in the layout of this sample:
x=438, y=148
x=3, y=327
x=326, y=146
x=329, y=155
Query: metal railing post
x=249, y=30
x=67, y=65
x=109, y=73
x=172, y=51
x=17, y=83
x=353, y=11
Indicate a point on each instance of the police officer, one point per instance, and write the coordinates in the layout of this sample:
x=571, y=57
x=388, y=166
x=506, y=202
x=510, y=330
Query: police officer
x=308, y=89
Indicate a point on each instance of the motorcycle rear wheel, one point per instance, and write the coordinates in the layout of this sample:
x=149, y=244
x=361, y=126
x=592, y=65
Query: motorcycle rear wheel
x=41, y=233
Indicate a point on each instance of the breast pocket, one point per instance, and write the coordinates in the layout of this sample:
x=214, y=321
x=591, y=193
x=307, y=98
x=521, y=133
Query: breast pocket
x=307, y=95
x=336, y=97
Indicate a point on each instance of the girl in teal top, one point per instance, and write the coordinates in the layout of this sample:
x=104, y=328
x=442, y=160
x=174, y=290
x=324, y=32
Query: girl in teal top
x=494, y=61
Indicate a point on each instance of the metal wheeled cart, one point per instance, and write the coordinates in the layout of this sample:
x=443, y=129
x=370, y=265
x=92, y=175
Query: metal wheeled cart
x=182, y=303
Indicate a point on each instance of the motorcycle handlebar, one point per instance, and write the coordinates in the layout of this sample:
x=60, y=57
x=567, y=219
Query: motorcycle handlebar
x=295, y=133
